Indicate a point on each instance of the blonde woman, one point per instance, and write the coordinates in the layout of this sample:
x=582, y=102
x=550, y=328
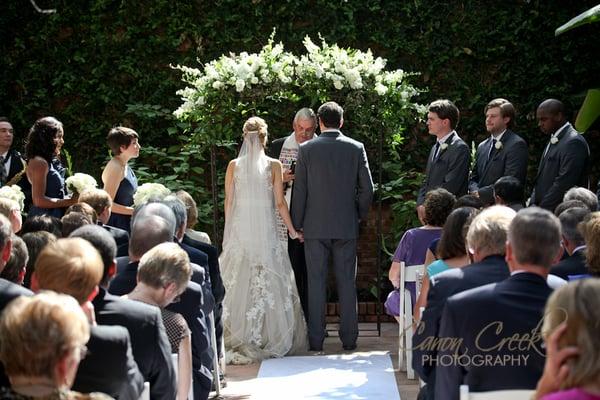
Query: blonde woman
x=572, y=370
x=262, y=313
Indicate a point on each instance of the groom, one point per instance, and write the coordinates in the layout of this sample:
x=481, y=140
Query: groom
x=332, y=193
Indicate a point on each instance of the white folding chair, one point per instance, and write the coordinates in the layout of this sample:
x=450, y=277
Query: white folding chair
x=407, y=274
x=213, y=343
x=495, y=394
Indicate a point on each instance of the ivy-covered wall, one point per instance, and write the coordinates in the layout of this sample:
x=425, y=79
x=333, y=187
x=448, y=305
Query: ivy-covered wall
x=97, y=63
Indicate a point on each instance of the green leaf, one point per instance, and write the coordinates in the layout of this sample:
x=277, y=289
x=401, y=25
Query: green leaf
x=587, y=17
x=590, y=110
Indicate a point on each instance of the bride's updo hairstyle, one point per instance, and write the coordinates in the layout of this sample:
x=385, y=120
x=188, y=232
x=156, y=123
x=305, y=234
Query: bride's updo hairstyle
x=256, y=126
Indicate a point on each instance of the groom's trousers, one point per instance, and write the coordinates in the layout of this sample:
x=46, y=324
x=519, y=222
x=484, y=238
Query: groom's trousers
x=343, y=254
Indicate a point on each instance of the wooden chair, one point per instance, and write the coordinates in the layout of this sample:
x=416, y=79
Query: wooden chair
x=520, y=394
x=407, y=274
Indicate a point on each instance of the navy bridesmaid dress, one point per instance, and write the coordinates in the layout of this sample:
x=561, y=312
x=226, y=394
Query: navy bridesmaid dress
x=55, y=188
x=124, y=197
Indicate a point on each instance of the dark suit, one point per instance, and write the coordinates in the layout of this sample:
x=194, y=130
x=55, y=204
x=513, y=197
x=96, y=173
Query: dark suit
x=332, y=193
x=490, y=269
x=295, y=247
x=574, y=264
x=449, y=170
x=16, y=175
x=8, y=292
x=216, y=282
x=149, y=341
x=483, y=317
x=109, y=366
x=509, y=160
x=564, y=166
x=191, y=308
x=121, y=237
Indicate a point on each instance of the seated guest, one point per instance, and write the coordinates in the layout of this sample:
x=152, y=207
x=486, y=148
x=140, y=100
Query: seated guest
x=43, y=144
x=451, y=251
x=512, y=308
x=590, y=228
x=11, y=210
x=582, y=194
x=192, y=212
x=570, y=330
x=72, y=221
x=8, y=290
x=42, y=223
x=74, y=267
x=411, y=248
x=149, y=230
x=43, y=342
x=565, y=205
x=163, y=275
x=14, y=270
x=509, y=192
x=469, y=200
x=573, y=243
x=101, y=202
x=486, y=239
x=35, y=242
x=85, y=209
x=149, y=341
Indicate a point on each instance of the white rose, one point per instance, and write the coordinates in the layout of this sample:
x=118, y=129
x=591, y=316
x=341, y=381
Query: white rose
x=381, y=89
x=217, y=85
x=338, y=84
x=239, y=85
x=254, y=80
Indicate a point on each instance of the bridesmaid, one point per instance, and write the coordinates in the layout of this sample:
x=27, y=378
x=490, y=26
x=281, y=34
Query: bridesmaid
x=44, y=142
x=119, y=180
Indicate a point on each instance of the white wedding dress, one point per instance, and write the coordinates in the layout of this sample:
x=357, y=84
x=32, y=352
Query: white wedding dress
x=261, y=310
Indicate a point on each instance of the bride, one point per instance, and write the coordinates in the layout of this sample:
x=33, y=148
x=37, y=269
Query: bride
x=262, y=313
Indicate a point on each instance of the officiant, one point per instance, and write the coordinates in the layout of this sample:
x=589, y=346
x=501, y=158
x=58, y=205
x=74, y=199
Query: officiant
x=286, y=150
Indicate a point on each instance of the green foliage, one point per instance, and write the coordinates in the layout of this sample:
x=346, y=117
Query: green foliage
x=89, y=61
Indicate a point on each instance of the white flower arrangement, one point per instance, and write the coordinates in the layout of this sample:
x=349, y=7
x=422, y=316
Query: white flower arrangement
x=79, y=183
x=327, y=64
x=13, y=192
x=443, y=146
x=149, y=191
x=553, y=140
x=498, y=145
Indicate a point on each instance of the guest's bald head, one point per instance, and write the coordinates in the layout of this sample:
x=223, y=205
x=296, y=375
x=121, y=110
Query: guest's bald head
x=157, y=209
x=147, y=232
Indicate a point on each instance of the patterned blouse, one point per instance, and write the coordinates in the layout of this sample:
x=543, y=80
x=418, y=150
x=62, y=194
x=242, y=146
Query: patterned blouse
x=176, y=327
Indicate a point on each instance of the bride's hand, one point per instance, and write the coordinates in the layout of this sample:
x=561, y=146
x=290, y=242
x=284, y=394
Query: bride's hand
x=301, y=236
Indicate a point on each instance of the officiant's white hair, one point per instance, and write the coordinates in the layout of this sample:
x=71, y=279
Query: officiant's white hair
x=258, y=126
x=306, y=113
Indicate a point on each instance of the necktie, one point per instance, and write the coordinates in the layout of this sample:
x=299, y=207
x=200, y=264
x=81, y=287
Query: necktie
x=2, y=171
x=437, y=149
x=492, y=148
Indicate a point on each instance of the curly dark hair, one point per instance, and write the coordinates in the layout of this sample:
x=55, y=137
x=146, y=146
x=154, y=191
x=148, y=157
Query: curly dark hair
x=452, y=242
x=438, y=205
x=40, y=140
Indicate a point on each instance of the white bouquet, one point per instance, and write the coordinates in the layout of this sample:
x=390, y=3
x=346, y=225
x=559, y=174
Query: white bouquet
x=13, y=192
x=149, y=191
x=79, y=183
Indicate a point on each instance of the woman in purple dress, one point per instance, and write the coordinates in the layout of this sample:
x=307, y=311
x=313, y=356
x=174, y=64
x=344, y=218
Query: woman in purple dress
x=118, y=178
x=413, y=245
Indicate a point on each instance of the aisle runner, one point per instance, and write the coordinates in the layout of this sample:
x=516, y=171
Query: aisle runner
x=351, y=376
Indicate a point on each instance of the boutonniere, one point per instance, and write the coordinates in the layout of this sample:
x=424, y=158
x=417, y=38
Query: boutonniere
x=443, y=146
x=553, y=140
x=498, y=145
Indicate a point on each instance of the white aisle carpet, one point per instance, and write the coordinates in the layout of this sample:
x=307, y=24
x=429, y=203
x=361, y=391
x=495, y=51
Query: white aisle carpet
x=367, y=375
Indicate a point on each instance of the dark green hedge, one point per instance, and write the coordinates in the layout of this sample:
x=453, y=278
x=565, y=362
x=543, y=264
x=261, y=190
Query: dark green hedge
x=89, y=61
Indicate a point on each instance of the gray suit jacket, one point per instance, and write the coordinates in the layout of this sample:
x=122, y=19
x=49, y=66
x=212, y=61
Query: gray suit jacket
x=509, y=160
x=333, y=187
x=564, y=166
x=450, y=170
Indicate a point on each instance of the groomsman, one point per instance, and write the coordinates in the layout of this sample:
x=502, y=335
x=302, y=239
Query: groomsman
x=332, y=193
x=564, y=162
x=286, y=150
x=504, y=153
x=12, y=164
x=448, y=162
